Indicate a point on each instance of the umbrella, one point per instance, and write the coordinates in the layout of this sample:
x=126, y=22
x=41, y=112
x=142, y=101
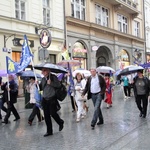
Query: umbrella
x=53, y=68
x=105, y=69
x=145, y=65
x=130, y=70
x=3, y=73
x=71, y=63
x=28, y=74
x=117, y=72
x=85, y=72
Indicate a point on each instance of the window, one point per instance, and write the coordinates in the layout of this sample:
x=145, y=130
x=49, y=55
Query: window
x=122, y=23
x=101, y=15
x=46, y=12
x=78, y=9
x=20, y=9
x=52, y=58
x=16, y=56
x=136, y=28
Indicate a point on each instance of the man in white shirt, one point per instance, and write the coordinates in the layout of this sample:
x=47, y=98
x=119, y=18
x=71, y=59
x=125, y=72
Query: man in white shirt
x=95, y=88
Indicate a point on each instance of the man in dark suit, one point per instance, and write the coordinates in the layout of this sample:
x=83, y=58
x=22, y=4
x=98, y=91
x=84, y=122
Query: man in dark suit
x=95, y=88
x=11, y=98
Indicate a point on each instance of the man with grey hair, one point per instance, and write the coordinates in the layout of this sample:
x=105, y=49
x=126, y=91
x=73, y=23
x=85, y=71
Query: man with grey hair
x=95, y=88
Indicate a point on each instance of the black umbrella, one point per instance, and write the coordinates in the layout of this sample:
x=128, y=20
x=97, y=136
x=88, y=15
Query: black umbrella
x=130, y=70
x=53, y=68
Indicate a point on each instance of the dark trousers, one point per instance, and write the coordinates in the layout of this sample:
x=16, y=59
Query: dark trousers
x=127, y=90
x=35, y=111
x=50, y=110
x=11, y=108
x=142, y=107
x=72, y=102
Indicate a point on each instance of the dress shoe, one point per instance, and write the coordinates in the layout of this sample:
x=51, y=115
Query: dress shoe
x=100, y=122
x=16, y=119
x=144, y=116
x=48, y=134
x=30, y=123
x=61, y=126
x=140, y=115
x=6, y=122
x=92, y=127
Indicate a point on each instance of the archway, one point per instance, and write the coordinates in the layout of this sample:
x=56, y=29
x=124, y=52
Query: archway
x=103, y=56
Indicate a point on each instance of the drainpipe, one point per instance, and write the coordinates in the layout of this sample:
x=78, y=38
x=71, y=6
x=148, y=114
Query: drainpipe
x=65, y=35
x=144, y=32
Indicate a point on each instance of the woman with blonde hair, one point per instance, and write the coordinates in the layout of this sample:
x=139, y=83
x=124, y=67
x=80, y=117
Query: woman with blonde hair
x=79, y=83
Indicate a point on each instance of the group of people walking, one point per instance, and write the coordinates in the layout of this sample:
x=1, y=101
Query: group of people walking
x=95, y=87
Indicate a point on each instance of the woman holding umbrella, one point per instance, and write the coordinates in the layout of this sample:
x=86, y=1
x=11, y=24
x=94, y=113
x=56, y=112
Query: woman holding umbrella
x=141, y=91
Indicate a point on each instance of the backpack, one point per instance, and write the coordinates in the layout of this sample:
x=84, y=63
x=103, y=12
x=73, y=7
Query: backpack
x=61, y=92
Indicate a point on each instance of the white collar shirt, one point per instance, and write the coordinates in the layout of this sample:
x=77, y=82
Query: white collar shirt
x=95, y=87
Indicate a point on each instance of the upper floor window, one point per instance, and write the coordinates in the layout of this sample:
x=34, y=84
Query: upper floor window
x=20, y=9
x=46, y=12
x=101, y=15
x=136, y=28
x=78, y=9
x=122, y=23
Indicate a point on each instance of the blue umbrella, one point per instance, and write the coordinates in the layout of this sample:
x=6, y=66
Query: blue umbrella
x=28, y=74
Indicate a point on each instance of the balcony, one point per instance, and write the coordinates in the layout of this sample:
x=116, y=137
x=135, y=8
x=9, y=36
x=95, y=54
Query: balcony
x=129, y=6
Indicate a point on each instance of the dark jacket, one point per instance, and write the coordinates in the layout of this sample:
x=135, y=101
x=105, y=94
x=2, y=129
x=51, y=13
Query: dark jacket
x=13, y=91
x=147, y=86
x=49, y=90
x=102, y=84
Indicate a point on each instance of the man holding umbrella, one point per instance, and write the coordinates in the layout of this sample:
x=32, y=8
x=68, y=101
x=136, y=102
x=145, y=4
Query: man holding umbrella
x=49, y=103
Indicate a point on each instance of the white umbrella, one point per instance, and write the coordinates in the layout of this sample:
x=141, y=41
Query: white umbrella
x=105, y=69
x=86, y=73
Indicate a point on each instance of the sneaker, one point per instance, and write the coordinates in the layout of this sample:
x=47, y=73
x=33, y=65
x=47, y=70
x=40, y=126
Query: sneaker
x=77, y=120
x=82, y=117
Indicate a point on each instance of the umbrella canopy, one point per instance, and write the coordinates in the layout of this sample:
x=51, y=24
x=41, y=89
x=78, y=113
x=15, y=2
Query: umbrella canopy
x=71, y=63
x=3, y=73
x=86, y=73
x=130, y=70
x=105, y=69
x=53, y=68
x=146, y=65
x=28, y=74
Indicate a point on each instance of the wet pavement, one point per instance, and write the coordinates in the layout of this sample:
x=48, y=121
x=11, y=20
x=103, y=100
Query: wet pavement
x=123, y=129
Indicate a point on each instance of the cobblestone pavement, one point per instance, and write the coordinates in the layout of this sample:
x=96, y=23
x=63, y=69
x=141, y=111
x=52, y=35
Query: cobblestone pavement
x=123, y=129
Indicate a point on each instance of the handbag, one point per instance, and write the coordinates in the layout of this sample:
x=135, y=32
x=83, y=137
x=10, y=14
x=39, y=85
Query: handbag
x=82, y=98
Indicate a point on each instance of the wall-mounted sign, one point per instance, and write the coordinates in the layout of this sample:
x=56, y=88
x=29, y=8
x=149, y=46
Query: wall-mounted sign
x=45, y=38
x=94, y=48
x=19, y=42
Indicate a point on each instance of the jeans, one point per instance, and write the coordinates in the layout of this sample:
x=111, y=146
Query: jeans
x=97, y=99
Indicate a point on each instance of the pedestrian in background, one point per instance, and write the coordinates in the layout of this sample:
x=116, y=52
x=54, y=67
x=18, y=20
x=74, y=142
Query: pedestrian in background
x=35, y=110
x=141, y=86
x=126, y=87
x=95, y=88
x=79, y=83
x=13, y=93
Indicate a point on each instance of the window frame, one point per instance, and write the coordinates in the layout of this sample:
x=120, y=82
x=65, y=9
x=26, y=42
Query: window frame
x=46, y=6
x=101, y=18
x=123, y=22
x=137, y=28
x=78, y=7
x=19, y=10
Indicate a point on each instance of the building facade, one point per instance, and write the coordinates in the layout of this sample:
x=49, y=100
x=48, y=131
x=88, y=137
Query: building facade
x=147, y=28
x=30, y=17
x=104, y=32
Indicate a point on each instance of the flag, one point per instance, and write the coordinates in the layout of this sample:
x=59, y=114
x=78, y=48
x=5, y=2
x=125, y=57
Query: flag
x=12, y=67
x=65, y=54
x=38, y=97
x=71, y=82
x=26, y=55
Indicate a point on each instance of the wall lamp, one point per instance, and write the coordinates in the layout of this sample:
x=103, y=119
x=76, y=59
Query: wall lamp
x=7, y=37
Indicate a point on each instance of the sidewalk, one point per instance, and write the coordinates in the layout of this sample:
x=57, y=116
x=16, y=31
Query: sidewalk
x=123, y=129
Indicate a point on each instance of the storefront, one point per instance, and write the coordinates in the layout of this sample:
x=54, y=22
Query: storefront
x=79, y=52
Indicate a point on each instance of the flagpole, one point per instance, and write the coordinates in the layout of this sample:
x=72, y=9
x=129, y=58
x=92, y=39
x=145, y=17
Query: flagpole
x=8, y=88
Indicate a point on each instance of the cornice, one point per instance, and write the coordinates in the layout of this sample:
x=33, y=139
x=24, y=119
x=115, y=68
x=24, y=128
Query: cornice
x=99, y=28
